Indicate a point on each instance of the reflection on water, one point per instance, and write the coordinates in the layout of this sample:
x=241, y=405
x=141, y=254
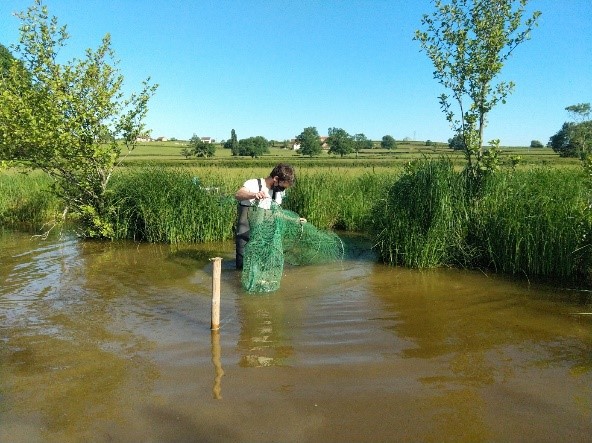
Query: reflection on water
x=111, y=342
x=217, y=362
x=265, y=327
x=488, y=334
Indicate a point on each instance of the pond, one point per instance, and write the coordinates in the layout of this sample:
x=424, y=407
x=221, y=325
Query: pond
x=104, y=341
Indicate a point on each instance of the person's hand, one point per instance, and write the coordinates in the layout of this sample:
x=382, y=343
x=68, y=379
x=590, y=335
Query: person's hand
x=260, y=195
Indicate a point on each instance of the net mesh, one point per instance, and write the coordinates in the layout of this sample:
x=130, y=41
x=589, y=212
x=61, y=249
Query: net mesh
x=278, y=236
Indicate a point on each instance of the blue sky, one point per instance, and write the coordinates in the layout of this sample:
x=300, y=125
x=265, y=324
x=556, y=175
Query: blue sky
x=274, y=67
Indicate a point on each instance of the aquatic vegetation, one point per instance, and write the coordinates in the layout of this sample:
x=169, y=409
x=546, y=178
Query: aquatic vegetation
x=26, y=201
x=528, y=222
x=534, y=223
x=169, y=205
x=422, y=221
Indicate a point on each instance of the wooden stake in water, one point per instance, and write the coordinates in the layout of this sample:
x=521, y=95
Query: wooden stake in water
x=216, y=271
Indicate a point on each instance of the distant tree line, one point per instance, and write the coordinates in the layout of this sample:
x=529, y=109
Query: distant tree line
x=574, y=139
x=339, y=142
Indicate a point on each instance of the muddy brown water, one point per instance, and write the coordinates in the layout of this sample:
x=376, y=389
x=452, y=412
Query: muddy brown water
x=108, y=342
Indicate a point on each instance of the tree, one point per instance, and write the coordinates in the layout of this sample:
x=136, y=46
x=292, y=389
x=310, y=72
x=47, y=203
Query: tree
x=340, y=142
x=580, y=112
x=360, y=141
x=186, y=152
x=561, y=143
x=232, y=144
x=199, y=148
x=581, y=134
x=573, y=140
x=468, y=42
x=64, y=119
x=536, y=144
x=309, y=141
x=253, y=146
x=388, y=142
x=457, y=142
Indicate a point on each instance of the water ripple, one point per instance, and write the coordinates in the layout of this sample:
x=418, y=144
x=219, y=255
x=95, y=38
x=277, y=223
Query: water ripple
x=33, y=276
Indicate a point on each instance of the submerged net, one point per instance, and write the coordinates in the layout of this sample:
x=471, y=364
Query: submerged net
x=277, y=236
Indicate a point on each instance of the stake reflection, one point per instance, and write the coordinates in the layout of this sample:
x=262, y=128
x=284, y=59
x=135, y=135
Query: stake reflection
x=218, y=371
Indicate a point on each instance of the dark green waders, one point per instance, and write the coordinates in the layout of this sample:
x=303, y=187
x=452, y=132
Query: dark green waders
x=242, y=233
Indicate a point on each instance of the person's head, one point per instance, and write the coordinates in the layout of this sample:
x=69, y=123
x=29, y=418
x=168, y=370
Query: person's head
x=283, y=176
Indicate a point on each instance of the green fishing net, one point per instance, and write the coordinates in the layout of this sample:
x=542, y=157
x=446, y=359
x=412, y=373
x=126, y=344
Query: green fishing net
x=278, y=236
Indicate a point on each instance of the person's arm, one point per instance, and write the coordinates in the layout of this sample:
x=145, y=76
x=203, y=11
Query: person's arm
x=244, y=194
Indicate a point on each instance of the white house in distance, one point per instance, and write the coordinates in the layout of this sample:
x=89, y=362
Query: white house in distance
x=207, y=140
x=323, y=140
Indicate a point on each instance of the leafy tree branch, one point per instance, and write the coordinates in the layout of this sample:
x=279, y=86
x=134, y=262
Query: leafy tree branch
x=67, y=119
x=468, y=41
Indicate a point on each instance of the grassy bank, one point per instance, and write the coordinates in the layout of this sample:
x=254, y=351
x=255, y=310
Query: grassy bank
x=26, y=201
x=421, y=220
x=171, y=206
x=530, y=221
x=177, y=205
x=533, y=223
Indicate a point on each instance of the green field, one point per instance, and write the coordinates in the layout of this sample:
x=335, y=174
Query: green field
x=169, y=154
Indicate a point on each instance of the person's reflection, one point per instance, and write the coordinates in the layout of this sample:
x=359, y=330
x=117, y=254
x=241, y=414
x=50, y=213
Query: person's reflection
x=265, y=330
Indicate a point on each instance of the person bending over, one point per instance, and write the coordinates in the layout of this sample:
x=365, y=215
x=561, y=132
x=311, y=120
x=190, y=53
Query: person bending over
x=263, y=191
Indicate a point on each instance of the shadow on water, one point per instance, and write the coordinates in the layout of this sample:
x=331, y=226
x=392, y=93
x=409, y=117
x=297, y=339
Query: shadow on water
x=111, y=342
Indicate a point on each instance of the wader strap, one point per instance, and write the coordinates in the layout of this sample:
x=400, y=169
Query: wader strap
x=260, y=187
x=272, y=194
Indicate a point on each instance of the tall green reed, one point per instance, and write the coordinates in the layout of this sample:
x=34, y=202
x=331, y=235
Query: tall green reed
x=534, y=223
x=422, y=221
x=332, y=199
x=26, y=201
x=530, y=222
x=170, y=205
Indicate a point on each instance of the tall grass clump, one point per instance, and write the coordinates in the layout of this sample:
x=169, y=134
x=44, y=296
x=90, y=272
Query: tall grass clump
x=334, y=200
x=423, y=219
x=534, y=223
x=26, y=201
x=169, y=205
